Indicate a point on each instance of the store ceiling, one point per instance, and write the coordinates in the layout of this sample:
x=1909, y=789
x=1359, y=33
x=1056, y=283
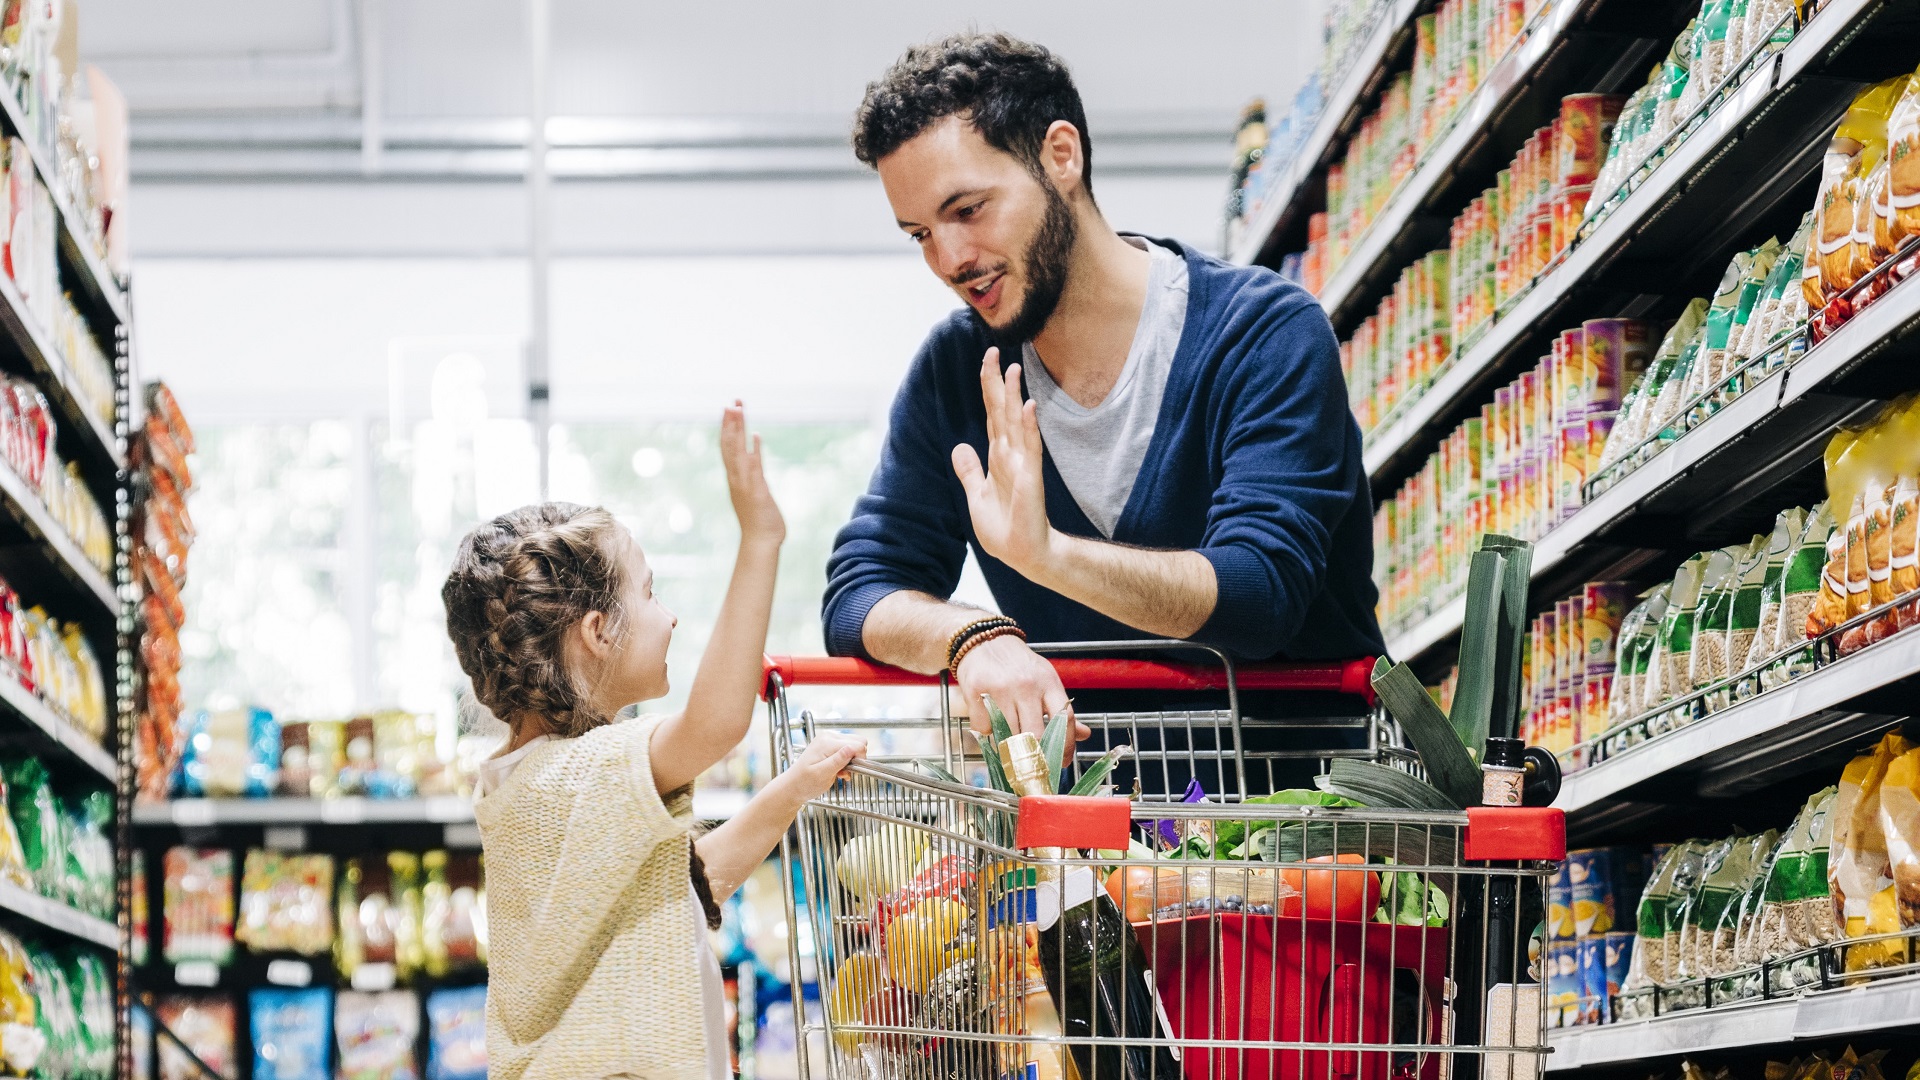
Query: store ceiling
x=398, y=126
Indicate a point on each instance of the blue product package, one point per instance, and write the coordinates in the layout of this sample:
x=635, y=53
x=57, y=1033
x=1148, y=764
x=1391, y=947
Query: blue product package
x=1619, y=958
x=1593, y=980
x=457, y=1034
x=1560, y=903
x=1563, y=983
x=263, y=753
x=1591, y=871
x=292, y=1032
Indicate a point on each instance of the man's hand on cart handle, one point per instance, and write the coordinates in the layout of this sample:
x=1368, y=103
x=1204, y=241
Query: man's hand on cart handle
x=1020, y=681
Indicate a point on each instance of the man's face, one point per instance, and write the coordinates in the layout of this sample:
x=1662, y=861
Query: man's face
x=997, y=235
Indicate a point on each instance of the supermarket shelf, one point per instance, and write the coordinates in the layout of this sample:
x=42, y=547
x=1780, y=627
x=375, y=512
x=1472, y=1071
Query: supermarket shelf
x=1674, y=232
x=97, y=284
x=57, y=916
x=1713, y=474
x=52, y=549
x=83, y=436
x=1284, y=205
x=54, y=729
x=1749, y=744
x=1879, y=1006
x=1529, y=70
x=438, y=810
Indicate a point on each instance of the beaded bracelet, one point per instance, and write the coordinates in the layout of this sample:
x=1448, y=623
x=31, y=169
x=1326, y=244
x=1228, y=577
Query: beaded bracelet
x=966, y=633
x=981, y=638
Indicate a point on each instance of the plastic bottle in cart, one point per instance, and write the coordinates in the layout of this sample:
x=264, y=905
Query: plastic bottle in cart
x=1093, y=964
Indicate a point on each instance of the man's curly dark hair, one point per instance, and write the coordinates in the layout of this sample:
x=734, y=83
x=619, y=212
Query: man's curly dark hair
x=1010, y=90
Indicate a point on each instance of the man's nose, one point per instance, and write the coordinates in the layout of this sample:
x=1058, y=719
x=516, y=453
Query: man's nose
x=951, y=257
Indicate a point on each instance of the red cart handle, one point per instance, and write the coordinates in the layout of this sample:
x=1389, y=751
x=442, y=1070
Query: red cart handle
x=1076, y=673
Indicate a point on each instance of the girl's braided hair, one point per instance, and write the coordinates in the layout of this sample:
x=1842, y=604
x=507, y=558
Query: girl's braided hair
x=518, y=584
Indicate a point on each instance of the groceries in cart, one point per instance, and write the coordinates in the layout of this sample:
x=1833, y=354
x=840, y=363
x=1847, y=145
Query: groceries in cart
x=1125, y=908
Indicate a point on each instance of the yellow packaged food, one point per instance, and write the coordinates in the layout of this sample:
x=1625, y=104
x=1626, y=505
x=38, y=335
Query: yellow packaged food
x=922, y=943
x=1857, y=869
x=1857, y=146
x=1903, y=165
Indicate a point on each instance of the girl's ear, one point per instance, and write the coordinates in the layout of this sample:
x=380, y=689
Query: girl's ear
x=595, y=634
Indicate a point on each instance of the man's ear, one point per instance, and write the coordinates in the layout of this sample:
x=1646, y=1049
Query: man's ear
x=1061, y=157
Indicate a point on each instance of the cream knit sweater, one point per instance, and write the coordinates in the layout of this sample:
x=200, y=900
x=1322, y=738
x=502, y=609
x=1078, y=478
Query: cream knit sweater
x=592, y=969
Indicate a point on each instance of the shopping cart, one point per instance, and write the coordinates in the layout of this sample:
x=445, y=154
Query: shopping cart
x=1188, y=931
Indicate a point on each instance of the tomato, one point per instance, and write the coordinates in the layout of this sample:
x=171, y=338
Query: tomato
x=1346, y=895
x=1132, y=890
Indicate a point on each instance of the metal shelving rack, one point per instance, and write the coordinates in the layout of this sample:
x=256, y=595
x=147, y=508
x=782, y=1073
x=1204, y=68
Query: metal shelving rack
x=1746, y=170
x=47, y=567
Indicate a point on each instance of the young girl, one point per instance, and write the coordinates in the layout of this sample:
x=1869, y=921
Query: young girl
x=597, y=900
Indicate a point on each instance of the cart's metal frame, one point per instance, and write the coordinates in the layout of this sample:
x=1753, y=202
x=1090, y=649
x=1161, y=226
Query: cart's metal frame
x=1416, y=1002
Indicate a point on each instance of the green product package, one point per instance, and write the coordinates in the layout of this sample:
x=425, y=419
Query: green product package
x=1674, y=79
x=1799, y=593
x=1723, y=902
x=1712, y=617
x=1655, y=918
x=1796, y=906
x=88, y=877
x=1646, y=657
x=1630, y=663
x=1710, y=363
x=1639, y=422
x=1690, y=896
x=92, y=987
x=36, y=816
x=1787, y=528
x=1672, y=650
x=57, y=1019
x=1743, y=620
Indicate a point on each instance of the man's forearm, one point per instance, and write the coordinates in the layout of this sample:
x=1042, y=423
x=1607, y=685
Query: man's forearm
x=910, y=629
x=1170, y=593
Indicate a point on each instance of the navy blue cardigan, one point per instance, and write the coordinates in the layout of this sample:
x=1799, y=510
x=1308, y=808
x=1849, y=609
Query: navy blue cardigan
x=1255, y=463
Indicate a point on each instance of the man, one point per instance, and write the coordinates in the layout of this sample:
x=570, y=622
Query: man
x=1184, y=464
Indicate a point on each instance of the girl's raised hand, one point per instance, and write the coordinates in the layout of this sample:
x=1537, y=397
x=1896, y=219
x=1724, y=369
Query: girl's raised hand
x=823, y=761
x=753, y=503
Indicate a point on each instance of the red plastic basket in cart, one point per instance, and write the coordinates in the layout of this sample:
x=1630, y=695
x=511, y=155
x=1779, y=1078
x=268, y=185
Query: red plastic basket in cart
x=1256, y=974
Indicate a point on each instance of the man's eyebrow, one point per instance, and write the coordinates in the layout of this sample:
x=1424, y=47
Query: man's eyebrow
x=946, y=205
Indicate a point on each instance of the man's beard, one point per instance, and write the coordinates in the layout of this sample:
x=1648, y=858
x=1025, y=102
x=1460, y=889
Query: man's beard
x=1045, y=266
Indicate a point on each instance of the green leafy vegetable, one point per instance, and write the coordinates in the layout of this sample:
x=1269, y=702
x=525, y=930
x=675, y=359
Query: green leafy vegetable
x=1374, y=784
x=1097, y=773
x=1053, y=746
x=1441, y=750
x=1002, y=731
x=996, y=772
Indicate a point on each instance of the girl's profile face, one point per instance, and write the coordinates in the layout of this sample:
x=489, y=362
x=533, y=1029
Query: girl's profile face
x=636, y=667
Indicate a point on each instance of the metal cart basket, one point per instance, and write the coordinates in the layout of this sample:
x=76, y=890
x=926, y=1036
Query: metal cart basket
x=1188, y=931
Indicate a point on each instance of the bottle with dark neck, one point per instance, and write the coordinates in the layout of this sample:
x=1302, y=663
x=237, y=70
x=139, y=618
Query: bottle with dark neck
x=1093, y=965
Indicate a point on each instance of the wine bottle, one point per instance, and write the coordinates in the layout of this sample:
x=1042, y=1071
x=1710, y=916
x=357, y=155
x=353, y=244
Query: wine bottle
x=1093, y=966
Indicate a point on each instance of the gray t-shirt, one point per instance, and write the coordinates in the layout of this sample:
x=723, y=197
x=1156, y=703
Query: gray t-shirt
x=1099, y=450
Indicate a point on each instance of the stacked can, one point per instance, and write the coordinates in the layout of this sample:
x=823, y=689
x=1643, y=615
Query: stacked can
x=1568, y=679
x=1396, y=351
x=1454, y=49
x=1515, y=469
x=1595, y=893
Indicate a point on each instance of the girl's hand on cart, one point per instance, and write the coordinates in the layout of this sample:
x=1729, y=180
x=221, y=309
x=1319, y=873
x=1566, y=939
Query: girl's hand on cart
x=824, y=761
x=760, y=518
x=1020, y=681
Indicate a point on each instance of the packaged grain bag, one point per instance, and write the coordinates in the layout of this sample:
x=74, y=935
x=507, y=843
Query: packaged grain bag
x=1733, y=351
x=1685, y=953
x=1634, y=423
x=1705, y=63
x=1743, y=619
x=1666, y=422
x=1805, y=588
x=1629, y=663
x=1650, y=966
x=1707, y=661
x=1723, y=897
x=1903, y=164
x=1787, y=528
x=1673, y=83
x=1857, y=869
x=1781, y=305
x=1710, y=362
x=1674, y=649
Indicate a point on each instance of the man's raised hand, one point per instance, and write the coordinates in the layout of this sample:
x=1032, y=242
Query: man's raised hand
x=1007, y=498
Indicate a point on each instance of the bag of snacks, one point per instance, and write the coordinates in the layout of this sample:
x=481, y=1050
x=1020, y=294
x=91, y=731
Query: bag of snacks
x=36, y=818
x=1723, y=892
x=1903, y=157
x=205, y=1023
x=1900, y=822
x=1711, y=366
x=1649, y=964
x=197, y=905
x=376, y=1034
x=453, y=918
x=1635, y=422
x=292, y=1032
x=1674, y=649
x=1782, y=309
x=1635, y=643
x=1743, y=619
x=1806, y=588
x=1856, y=147
x=1857, y=869
x=286, y=903
x=1686, y=938
x=457, y=1034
